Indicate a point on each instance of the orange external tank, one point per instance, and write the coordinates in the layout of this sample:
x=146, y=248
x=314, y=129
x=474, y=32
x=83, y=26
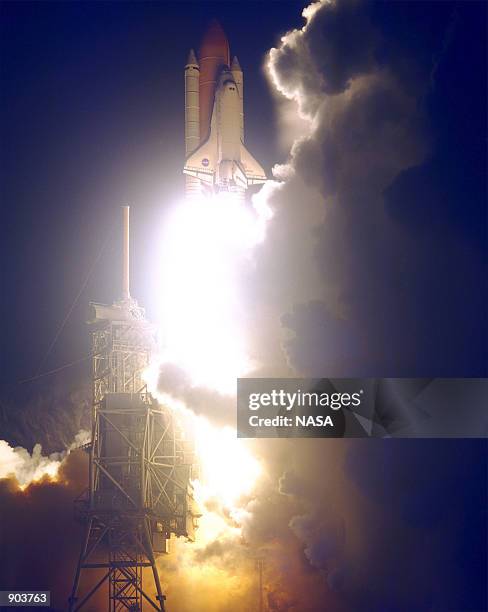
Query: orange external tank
x=214, y=53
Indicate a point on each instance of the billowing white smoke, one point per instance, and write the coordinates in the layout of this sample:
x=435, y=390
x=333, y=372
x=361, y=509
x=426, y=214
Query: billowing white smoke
x=27, y=467
x=332, y=245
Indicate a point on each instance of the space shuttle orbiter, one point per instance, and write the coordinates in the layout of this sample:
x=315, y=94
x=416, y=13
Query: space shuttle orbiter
x=216, y=158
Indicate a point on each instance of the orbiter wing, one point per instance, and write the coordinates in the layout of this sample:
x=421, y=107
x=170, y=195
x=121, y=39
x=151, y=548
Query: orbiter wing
x=202, y=162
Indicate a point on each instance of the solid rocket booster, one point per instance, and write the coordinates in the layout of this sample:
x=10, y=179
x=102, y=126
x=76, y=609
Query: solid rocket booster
x=216, y=158
x=192, y=117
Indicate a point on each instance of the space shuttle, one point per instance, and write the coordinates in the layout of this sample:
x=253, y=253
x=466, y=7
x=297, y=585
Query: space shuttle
x=216, y=158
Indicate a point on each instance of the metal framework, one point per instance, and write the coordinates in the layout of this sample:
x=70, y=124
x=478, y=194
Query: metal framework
x=140, y=466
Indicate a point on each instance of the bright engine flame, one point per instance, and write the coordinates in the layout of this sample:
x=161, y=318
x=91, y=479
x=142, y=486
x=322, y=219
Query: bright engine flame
x=202, y=316
x=226, y=480
x=205, y=245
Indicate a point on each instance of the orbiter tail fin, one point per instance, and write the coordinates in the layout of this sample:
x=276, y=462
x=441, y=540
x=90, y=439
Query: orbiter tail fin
x=254, y=172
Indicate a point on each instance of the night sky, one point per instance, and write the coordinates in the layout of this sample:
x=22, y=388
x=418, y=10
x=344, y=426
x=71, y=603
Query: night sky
x=91, y=118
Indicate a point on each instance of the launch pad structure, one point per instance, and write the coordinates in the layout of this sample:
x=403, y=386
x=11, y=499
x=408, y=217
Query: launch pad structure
x=140, y=466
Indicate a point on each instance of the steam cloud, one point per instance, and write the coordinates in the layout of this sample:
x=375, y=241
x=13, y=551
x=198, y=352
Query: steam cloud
x=19, y=463
x=333, y=227
x=359, y=248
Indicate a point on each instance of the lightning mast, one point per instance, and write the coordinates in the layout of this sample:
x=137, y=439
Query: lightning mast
x=140, y=463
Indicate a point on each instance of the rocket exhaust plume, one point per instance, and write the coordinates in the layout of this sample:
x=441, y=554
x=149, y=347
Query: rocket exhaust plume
x=206, y=249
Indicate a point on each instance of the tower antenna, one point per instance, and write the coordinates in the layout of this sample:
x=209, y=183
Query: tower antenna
x=125, y=269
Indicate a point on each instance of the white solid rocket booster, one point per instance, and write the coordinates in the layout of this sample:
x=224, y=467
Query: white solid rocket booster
x=192, y=116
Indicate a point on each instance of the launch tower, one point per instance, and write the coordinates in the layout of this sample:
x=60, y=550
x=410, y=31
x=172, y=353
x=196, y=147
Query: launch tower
x=140, y=464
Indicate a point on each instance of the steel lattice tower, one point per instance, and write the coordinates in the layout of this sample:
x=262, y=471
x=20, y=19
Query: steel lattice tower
x=140, y=464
